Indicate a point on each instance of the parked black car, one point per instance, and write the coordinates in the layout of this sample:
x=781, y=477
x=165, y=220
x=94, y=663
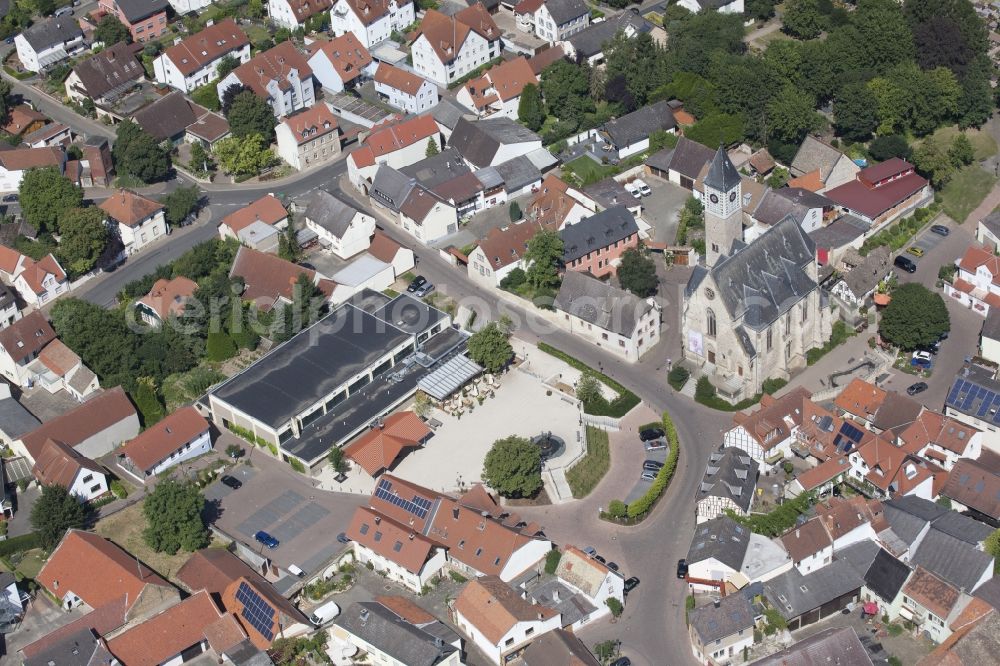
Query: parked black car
x=682, y=568
x=232, y=482
x=914, y=389
x=650, y=433
x=417, y=283
x=940, y=230
x=631, y=584
x=905, y=263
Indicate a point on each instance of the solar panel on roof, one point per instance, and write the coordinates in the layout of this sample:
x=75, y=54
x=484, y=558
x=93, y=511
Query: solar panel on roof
x=955, y=390
x=853, y=433
x=256, y=611
x=419, y=506
x=969, y=397
x=984, y=405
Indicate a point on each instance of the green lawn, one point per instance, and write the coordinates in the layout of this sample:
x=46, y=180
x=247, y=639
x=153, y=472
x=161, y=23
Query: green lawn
x=31, y=563
x=965, y=191
x=984, y=144
x=584, y=476
x=587, y=171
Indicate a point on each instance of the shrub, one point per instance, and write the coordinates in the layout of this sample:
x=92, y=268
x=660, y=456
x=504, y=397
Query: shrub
x=118, y=489
x=704, y=391
x=584, y=476
x=778, y=521
x=617, y=509
x=641, y=507
x=552, y=561
x=297, y=465
x=773, y=385
x=615, y=606
x=219, y=346
x=618, y=407
x=838, y=336
x=677, y=377
x=457, y=577
x=19, y=544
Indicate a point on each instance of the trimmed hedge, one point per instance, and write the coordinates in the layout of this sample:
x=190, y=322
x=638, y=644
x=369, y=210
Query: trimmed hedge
x=776, y=522
x=19, y=544
x=618, y=407
x=642, y=506
x=704, y=393
x=677, y=377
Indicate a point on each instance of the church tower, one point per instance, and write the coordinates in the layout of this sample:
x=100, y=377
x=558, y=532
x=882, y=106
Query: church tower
x=723, y=203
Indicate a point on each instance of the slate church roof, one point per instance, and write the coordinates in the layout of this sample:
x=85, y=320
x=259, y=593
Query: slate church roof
x=722, y=174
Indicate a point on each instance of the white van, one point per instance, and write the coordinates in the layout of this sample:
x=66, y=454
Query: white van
x=324, y=613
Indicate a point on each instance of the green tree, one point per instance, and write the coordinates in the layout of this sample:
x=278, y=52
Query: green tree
x=615, y=606
x=432, y=148
x=888, y=146
x=566, y=89
x=932, y=160
x=180, y=203
x=249, y=115
x=54, y=512
x=803, y=19
x=588, y=388
x=514, y=211
x=226, y=65
x=760, y=10
x=915, y=316
x=961, y=152
x=288, y=243
x=137, y=153
x=530, y=109
x=148, y=402
x=855, y=112
x=111, y=31
x=545, y=251
x=173, y=516
x=637, y=273
x=337, y=461
x=83, y=237
x=792, y=115
x=880, y=36
x=992, y=547
x=244, y=156
x=306, y=307
x=5, y=101
x=490, y=346
x=201, y=161
x=219, y=347
x=255, y=9
x=695, y=40
x=45, y=194
x=717, y=129
x=513, y=467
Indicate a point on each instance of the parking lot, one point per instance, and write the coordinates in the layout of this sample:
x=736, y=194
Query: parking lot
x=662, y=208
x=286, y=505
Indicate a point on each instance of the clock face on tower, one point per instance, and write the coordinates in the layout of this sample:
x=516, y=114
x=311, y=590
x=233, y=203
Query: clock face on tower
x=714, y=198
x=732, y=196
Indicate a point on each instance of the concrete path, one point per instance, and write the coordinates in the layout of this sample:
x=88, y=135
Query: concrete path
x=991, y=201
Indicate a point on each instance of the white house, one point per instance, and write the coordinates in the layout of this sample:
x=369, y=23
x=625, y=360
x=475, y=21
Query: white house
x=58, y=368
x=194, y=61
x=595, y=581
x=720, y=630
x=309, y=138
x=809, y=546
x=721, y=6
x=988, y=231
x=977, y=283
x=405, y=90
x=9, y=312
x=420, y=212
x=38, y=282
x=21, y=343
x=140, y=221
x=413, y=564
x=60, y=464
x=294, y=14
x=180, y=436
x=257, y=224
x=498, y=90
x=493, y=141
x=498, y=620
x=342, y=229
x=371, y=21
x=49, y=42
x=340, y=63
x=389, y=251
x=889, y=470
x=553, y=20
x=397, y=632
x=767, y=434
x=932, y=603
x=279, y=75
x=15, y=163
x=941, y=439
x=397, y=146
x=449, y=47
x=166, y=298
x=849, y=521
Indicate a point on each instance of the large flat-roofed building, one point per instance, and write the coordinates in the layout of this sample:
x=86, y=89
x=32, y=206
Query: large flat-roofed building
x=331, y=380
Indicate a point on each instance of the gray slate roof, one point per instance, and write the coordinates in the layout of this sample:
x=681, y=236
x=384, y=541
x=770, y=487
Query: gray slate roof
x=640, y=124
x=518, y=173
x=814, y=154
x=992, y=222
x=136, y=10
x=391, y=187
x=726, y=617
x=52, y=32
x=597, y=231
x=609, y=192
x=689, y=157
x=883, y=574
x=600, y=303
x=864, y=277
x=330, y=213
x=816, y=649
x=731, y=474
x=447, y=113
x=991, y=327
x=79, y=648
x=438, y=169
x=380, y=627
x=478, y=142
x=763, y=280
x=721, y=538
x=591, y=40
x=564, y=11
x=839, y=233
x=722, y=174
x=911, y=513
x=956, y=561
x=793, y=594
x=15, y=420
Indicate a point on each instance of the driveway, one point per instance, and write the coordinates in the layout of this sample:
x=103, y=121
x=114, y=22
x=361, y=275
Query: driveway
x=662, y=209
x=41, y=618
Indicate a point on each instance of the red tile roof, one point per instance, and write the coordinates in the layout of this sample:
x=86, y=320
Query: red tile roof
x=275, y=64
x=976, y=256
x=406, y=609
x=267, y=277
x=157, y=442
x=207, y=46
x=34, y=272
x=893, y=166
x=377, y=449
x=283, y=620
x=395, y=137
x=812, y=181
x=168, y=297
x=59, y=464
x=826, y=471
x=268, y=209
x=27, y=336
x=383, y=248
x=129, y=208
x=493, y=608
x=447, y=34
x=168, y=634
x=934, y=428
x=92, y=417
x=20, y=159
x=931, y=592
x=873, y=202
x=506, y=246
x=393, y=540
x=774, y=421
x=22, y=117
x=9, y=259
x=369, y=11
x=543, y=59
x=860, y=399
x=397, y=78
x=346, y=54
x=509, y=78
x=312, y=123
x=306, y=9
x=58, y=358
x=807, y=539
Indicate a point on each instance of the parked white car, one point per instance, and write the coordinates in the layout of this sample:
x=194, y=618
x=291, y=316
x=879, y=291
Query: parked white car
x=633, y=190
x=325, y=613
x=642, y=186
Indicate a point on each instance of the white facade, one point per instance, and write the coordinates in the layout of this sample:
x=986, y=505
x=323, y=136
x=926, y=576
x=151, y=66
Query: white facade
x=481, y=271
x=408, y=579
x=185, y=6
x=328, y=76
x=88, y=484
x=145, y=232
x=167, y=72
x=356, y=239
x=441, y=220
x=377, y=656
x=424, y=99
x=9, y=314
x=629, y=347
x=37, y=61
x=51, y=287
x=345, y=19
x=516, y=638
x=397, y=159
x=304, y=153
x=714, y=506
x=10, y=179
x=285, y=97
x=280, y=12
x=546, y=27
x=766, y=458
x=693, y=6
x=474, y=52
x=201, y=444
x=984, y=285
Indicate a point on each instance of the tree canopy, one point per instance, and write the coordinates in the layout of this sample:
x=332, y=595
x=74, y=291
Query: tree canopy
x=54, y=512
x=111, y=31
x=530, y=109
x=490, y=346
x=83, y=237
x=244, y=156
x=915, y=316
x=45, y=194
x=544, y=253
x=249, y=114
x=173, y=512
x=803, y=19
x=637, y=273
x=180, y=203
x=513, y=467
x=138, y=154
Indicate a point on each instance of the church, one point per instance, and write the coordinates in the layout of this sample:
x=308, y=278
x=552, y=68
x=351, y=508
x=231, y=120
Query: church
x=754, y=310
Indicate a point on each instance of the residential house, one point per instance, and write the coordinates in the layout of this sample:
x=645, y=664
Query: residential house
x=884, y=576
x=829, y=167
x=309, y=138
x=752, y=334
x=421, y=213
x=767, y=434
x=446, y=114
x=965, y=402
x=52, y=135
x=15, y=163
x=974, y=489
x=257, y=224
x=803, y=599
x=989, y=337
x=365, y=272
x=38, y=282
x=185, y=6
x=146, y=20
x=988, y=231
x=976, y=284
x=243, y=596
x=492, y=141
x=387, y=546
x=60, y=464
x=377, y=450
x=973, y=639
x=723, y=552
x=208, y=130
x=553, y=20
x=941, y=439
x=558, y=647
x=606, y=316
x=886, y=470
x=86, y=568
x=270, y=281
x=857, y=286
x=719, y=631
x=397, y=146
x=849, y=521
x=23, y=119
x=841, y=641
x=932, y=604
x=760, y=213
x=498, y=620
x=58, y=368
x=729, y=484
x=501, y=252
x=882, y=193
x=9, y=312
x=390, y=639
x=877, y=409
x=48, y=42
x=340, y=63
x=342, y=229
x=140, y=221
x=175, y=118
x=447, y=176
x=404, y=90
x=180, y=436
x=629, y=134
x=280, y=75
x=809, y=545
x=595, y=244
x=586, y=576
x=588, y=44
x=83, y=642
x=194, y=61
x=94, y=429
x=15, y=420
x=166, y=299
x=609, y=192
x=371, y=21
x=498, y=90
x=721, y=6
x=447, y=48
x=294, y=14
x=681, y=164
x=389, y=251
x=21, y=343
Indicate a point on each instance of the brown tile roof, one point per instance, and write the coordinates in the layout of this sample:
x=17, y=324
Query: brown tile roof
x=306, y=9
x=447, y=34
x=582, y=571
x=312, y=123
x=282, y=620
x=168, y=634
x=346, y=54
x=761, y=161
x=805, y=540
x=9, y=259
x=811, y=181
x=406, y=609
x=558, y=647
x=58, y=358
x=494, y=608
x=378, y=448
x=543, y=59
x=96, y=570
x=22, y=117
x=224, y=634
x=399, y=79
x=92, y=417
x=268, y=209
x=385, y=140
x=369, y=11
x=267, y=276
x=59, y=464
x=27, y=336
x=826, y=471
x=931, y=592
x=860, y=399
x=974, y=486
x=207, y=46
x=35, y=272
x=840, y=516
x=506, y=246
x=129, y=208
x=272, y=65
x=383, y=248
x=510, y=77
x=774, y=421
x=401, y=544
x=31, y=158
x=934, y=428
x=157, y=442
x=211, y=127
x=419, y=203
x=168, y=297
x=109, y=69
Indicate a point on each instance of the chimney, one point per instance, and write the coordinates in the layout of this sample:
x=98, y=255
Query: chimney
x=378, y=519
x=540, y=616
x=555, y=596
x=363, y=615
x=454, y=513
x=715, y=602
